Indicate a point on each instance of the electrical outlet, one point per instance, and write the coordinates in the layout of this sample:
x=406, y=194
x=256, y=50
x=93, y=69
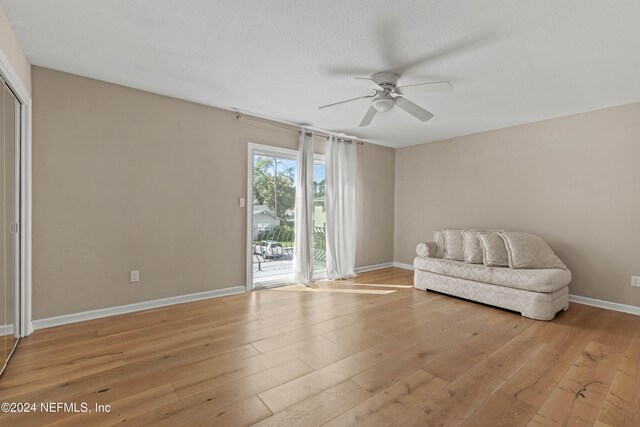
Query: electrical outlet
x=135, y=276
x=635, y=281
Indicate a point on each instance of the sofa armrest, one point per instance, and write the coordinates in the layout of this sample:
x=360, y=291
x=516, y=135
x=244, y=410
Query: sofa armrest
x=427, y=249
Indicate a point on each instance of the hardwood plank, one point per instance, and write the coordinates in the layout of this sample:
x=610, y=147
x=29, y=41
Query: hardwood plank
x=501, y=410
x=390, y=404
x=123, y=409
x=130, y=378
x=328, y=376
x=348, y=320
x=457, y=401
x=364, y=302
x=320, y=408
x=54, y=374
x=210, y=402
x=581, y=392
x=534, y=382
x=420, y=354
x=245, y=413
x=453, y=363
x=207, y=374
x=499, y=334
x=622, y=403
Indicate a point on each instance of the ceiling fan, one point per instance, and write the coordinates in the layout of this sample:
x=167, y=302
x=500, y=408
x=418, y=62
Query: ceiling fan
x=386, y=96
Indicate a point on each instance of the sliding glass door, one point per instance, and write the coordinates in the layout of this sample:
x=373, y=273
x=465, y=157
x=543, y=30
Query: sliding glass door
x=272, y=215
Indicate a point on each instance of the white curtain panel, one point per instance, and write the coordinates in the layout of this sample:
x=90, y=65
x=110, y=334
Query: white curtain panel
x=341, y=162
x=302, y=256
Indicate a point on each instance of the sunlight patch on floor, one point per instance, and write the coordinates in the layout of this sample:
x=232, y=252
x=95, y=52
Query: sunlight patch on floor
x=378, y=285
x=299, y=288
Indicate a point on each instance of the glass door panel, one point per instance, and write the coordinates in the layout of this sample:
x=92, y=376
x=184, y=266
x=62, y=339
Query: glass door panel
x=273, y=217
x=319, y=219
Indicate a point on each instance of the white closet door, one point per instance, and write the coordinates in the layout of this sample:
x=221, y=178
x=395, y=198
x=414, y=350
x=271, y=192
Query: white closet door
x=8, y=221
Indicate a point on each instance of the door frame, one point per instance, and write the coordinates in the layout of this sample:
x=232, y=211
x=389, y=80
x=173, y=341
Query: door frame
x=267, y=150
x=24, y=325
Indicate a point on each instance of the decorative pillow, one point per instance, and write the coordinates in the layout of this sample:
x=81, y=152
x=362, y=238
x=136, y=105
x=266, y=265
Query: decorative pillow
x=529, y=251
x=438, y=237
x=494, y=250
x=471, y=247
x=426, y=250
x=453, y=244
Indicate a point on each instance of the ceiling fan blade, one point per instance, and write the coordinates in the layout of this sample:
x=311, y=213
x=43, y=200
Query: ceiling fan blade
x=443, y=86
x=466, y=44
x=347, y=71
x=366, y=120
x=371, y=80
x=345, y=101
x=411, y=108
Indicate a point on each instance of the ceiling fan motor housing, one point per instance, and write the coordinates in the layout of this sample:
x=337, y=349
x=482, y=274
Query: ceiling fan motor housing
x=387, y=81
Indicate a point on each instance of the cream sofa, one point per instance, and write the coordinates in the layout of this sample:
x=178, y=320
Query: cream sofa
x=536, y=293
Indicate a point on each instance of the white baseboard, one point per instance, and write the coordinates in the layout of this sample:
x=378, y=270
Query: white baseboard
x=403, y=265
x=6, y=330
x=373, y=267
x=631, y=309
x=130, y=308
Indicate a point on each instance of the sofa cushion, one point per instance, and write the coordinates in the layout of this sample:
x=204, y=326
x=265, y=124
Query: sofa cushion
x=453, y=244
x=471, y=247
x=529, y=251
x=438, y=237
x=537, y=280
x=494, y=250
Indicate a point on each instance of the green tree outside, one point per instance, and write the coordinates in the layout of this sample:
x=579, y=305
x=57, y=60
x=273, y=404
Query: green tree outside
x=264, y=186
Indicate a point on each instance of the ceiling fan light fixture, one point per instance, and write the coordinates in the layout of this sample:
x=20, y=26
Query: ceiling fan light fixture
x=383, y=103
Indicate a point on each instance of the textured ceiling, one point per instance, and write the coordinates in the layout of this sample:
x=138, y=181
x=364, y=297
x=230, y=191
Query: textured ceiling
x=510, y=61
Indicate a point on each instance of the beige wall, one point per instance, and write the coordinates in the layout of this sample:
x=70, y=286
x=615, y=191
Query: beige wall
x=375, y=198
x=11, y=49
x=127, y=180
x=574, y=180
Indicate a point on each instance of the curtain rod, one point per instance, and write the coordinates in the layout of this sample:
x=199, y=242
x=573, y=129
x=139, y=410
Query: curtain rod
x=319, y=133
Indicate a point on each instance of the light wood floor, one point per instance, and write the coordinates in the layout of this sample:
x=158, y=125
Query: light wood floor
x=372, y=351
